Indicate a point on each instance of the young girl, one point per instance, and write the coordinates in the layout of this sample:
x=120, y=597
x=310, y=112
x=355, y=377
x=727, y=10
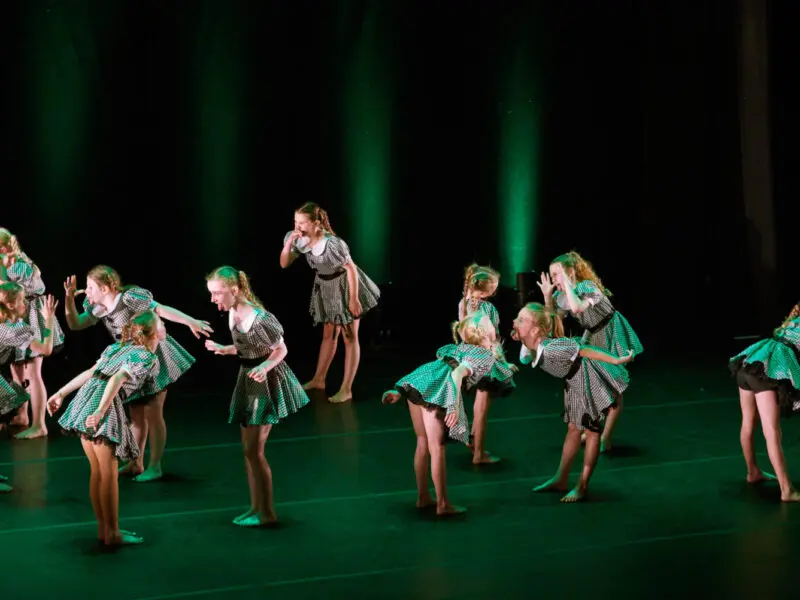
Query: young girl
x=342, y=292
x=581, y=294
x=480, y=284
x=97, y=416
x=26, y=367
x=433, y=394
x=768, y=376
x=107, y=300
x=266, y=391
x=592, y=384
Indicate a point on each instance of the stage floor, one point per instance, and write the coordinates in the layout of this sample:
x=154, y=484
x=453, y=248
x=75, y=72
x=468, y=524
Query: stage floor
x=668, y=515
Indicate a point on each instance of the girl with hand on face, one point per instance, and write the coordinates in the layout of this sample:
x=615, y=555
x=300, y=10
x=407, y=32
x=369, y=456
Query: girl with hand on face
x=433, y=393
x=573, y=287
x=113, y=304
x=593, y=380
x=26, y=362
x=342, y=293
x=97, y=416
x=266, y=391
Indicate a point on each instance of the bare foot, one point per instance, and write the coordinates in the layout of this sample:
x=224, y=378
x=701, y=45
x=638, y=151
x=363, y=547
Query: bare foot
x=425, y=501
x=258, y=520
x=5, y=488
x=123, y=538
x=551, y=485
x=20, y=421
x=245, y=515
x=485, y=459
x=760, y=476
x=604, y=446
x=151, y=474
x=449, y=510
x=792, y=496
x=576, y=495
x=390, y=397
x=131, y=469
x=32, y=433
x=340, y=397
x=314, y=384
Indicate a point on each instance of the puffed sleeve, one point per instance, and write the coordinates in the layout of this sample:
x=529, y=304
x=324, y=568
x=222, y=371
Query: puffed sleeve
x=138, y=299
x=17, y=335
x=268, y=330
x=338, y=251
x=23, y=274
x=588, y=290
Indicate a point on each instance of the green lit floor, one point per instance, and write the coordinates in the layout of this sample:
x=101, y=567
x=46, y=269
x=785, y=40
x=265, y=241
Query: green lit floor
x=669, y=513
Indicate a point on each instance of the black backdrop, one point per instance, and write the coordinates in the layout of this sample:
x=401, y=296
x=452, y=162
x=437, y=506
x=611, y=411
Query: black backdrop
x=639, y=150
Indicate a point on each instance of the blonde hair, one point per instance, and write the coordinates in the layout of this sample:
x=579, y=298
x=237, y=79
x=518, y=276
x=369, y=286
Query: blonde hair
x=547, y=320
x=9, y=294
x=316, y=213
x=141, y=329
x=793, y=314
x=233, y=277
x=583, y=269
x=9, y=239
x=478, y=278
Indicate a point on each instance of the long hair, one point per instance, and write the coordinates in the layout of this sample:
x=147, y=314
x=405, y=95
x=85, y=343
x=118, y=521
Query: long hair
x=141, y=329
x=583, y=269
x=231, y=277
x=316, y=213
x=9, y=239
x=547, y=320
x=478, y=278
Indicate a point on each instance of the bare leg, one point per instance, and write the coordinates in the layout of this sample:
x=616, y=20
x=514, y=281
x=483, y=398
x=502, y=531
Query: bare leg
x=572, y=444
x=251, y=482
x=611, y=423
x=434, y=431
x=768, y=410
x=422, y=457
x=256, y=438
x=590, y=455
x=157, y=427
x=109, y=496
x=483, y=400
x=327, y=350
x=139, y=429
x=94, y=488
x=18, y=375
x=747, y=401
x=352, y=356
x=33, y=373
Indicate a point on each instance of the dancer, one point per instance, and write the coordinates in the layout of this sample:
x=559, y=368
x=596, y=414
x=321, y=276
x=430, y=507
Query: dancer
x=266, y=391
x=433, y=393
x=768, y=374
x=592, y=383
x=480, y=284
x=342, y=293
x=581, y=294
x=97, y=416
x=107, y=300
x=26, y=368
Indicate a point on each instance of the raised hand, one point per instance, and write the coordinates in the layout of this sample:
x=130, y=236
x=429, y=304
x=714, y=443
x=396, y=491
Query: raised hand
x=49, y=307
x=546, y=285
x=70, y=286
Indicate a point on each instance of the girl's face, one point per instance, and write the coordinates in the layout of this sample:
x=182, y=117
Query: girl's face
x=18, y=306
x=222, y=295
x=524, y=326
x=304, y=225
x=95, y=291
x=557, y=275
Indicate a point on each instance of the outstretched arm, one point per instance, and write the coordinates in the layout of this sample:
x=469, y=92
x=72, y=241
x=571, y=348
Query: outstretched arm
x=197, y=327
x=597, y=354
x=54, y=402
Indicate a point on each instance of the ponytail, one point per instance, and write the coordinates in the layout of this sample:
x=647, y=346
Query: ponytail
x=140, y=329
x=231, y=277
x=547, y=320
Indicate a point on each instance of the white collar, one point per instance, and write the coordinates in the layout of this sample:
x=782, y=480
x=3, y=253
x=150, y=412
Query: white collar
x=302, y=245
x=246, y=324
x=100, y=311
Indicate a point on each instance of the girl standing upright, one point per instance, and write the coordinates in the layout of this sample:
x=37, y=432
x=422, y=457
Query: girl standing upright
x=26, y=367
x=266, y=391
x=342, y=293
x=113, y=304
x=580, y=293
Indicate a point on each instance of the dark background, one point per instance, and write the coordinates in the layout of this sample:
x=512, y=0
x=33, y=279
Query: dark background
x=640, y=155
